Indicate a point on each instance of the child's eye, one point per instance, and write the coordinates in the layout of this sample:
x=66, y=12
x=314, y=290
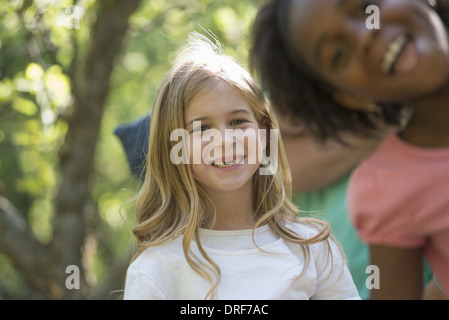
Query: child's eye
x=338, y=55
x=200, y=128
x=237, y=122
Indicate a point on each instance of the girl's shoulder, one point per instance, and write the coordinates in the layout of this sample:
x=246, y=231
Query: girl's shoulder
x=317, y=235
x=327, y=260
x=159, y=255
x=305, y=227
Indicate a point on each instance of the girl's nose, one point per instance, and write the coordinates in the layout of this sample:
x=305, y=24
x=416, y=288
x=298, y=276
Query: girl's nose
x=220, y=138
x=366, y=38
x=363, y=34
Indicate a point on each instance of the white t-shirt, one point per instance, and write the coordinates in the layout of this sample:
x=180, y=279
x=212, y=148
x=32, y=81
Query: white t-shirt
x=247, y=272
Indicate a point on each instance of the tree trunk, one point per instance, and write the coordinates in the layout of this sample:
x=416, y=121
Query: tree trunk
x=90, y=86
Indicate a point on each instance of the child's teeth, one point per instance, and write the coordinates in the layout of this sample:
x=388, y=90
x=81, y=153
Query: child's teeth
x=392, y=53
x=231, y=163
x=226, y=164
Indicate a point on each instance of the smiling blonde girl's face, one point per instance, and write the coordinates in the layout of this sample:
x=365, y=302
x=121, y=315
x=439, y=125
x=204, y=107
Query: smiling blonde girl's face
x=224, y=166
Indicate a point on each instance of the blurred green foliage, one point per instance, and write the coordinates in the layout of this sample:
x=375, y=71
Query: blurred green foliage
x=36, y=51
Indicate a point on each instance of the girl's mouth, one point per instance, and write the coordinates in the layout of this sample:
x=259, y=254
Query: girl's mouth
x=228, y=163
x=400, y=56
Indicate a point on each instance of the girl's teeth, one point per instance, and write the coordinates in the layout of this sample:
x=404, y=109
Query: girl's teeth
x=392, y=53
x=222, y=165
x=225, y=164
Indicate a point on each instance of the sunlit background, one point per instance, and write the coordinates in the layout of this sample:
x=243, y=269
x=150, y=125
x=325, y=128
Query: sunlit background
x=37, y=48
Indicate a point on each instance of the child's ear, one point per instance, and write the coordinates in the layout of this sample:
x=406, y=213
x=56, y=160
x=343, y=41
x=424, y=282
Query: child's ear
x=352, y=102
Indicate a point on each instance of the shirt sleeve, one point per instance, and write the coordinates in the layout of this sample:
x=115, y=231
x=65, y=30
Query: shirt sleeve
x=140, y=287
x=334, y=281
x=381, y=208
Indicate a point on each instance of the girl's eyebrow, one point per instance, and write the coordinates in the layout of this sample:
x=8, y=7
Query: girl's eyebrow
x=240, y=111
x=196, y=119
x=319, y=44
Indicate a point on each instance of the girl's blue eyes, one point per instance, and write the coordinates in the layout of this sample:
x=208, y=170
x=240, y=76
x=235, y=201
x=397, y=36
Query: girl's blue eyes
x=202, y=128
x=232, y=123
x=237, y=122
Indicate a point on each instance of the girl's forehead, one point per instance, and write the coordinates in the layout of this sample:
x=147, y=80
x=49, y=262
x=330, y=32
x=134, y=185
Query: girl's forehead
x=219, y=99
x=306, y=20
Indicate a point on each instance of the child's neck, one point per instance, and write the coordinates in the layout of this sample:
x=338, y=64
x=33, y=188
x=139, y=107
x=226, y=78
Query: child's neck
x=429, y=126
x=234, y=209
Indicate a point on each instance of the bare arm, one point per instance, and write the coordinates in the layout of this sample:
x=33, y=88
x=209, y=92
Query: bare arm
x=433, y=292
x=401, y=273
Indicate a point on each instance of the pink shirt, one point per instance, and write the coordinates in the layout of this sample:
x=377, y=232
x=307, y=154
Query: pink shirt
x=399, y=197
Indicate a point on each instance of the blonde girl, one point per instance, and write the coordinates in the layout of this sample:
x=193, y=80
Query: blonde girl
x=219, y=229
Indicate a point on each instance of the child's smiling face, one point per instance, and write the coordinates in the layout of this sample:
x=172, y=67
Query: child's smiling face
x=222, y=108
x=406, y=59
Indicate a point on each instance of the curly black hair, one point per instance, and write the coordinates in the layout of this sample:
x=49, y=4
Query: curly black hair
x=297, y=91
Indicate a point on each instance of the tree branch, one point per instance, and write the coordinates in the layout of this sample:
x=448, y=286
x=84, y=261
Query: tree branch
x=90, y=88
x=43, y=266
x=16, y=238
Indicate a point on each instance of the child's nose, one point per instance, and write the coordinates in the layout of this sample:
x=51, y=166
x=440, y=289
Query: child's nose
x=366, y=38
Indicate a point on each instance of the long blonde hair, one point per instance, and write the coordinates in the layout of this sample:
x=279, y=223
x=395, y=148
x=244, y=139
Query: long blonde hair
x=170, y=203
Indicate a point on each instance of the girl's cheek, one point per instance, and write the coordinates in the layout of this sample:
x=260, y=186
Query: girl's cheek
x=251, y=142
x=194, y=149
x=255, y=143
x=204, y=151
